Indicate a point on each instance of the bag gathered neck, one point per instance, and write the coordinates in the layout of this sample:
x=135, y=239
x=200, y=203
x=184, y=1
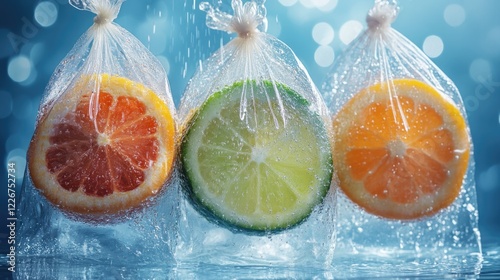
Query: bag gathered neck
x=382, y=15
x=106, y=10
x=247, y=19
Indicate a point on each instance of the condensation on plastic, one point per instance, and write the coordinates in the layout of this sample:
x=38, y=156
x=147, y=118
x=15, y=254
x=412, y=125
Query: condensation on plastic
x=253, y=55
x=380, y=55
x=254, y=58
x=105, y=49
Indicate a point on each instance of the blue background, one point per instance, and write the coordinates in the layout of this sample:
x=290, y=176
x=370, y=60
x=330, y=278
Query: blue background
x=461, y=37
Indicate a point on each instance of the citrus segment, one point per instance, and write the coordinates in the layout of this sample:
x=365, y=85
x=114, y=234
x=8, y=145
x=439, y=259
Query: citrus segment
x=400, y=153
x=257, y=173
x=108, y=162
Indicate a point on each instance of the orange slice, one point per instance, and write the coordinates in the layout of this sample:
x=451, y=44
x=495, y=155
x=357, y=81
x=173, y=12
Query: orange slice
x=106, y=164
x=401, y=152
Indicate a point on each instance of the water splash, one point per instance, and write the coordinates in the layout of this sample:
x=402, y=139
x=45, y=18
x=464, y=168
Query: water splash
x=79, y=4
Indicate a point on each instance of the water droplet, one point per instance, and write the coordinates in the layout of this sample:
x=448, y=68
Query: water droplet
x=205, y=6
x=470, y=207
x=38, y=209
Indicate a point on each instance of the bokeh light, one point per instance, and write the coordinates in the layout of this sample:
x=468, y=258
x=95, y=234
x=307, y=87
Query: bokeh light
x=454, y=15
x=329, y=6
x=5, y=104
x=157, y=33
x=323, y=5
x=24, y=107
x=164, y=62
x=19, y=68
x=480, y=70
x=349, y=31
x=288, y=3
x=323, y=33
x=46, y=13
x=489, y=179
x=492, y=43
x=433, y=46
x=37, y=52
x=12, y=142
x=312, y=3
x=324, y=55
x=18, y=156
x=31, y=78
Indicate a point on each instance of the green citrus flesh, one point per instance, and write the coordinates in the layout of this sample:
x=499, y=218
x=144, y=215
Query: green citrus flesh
x=258, y=171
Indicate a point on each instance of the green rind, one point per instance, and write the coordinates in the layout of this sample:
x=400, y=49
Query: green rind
x=212, y=213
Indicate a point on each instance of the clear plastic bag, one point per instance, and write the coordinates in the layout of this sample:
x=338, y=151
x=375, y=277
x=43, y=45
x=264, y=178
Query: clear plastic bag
x=103, y=152
x=402, y=153
x=255, y=152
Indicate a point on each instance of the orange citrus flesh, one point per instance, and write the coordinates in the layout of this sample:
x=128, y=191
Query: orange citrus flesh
x=108, y=162
x=401, y=149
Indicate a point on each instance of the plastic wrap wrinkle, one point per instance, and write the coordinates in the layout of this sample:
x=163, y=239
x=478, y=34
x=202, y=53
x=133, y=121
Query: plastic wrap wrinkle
x=248, y=18
x=259, y=92
x=109, y=93
x=371, y=72
x=382, y=14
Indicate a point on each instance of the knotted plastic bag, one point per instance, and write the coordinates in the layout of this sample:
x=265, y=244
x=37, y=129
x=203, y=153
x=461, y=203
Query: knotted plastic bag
x=402, y=153
x=255, y=152
x=103, y=151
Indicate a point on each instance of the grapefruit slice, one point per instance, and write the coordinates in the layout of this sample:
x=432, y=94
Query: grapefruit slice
x=109, y=163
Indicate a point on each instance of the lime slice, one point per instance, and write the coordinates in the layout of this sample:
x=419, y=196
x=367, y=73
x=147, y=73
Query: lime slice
x=261, y=173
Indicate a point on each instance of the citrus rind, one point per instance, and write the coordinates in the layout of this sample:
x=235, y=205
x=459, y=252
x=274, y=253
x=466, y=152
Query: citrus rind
x=206, y=189
x=78, y=202
x=428, y=203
